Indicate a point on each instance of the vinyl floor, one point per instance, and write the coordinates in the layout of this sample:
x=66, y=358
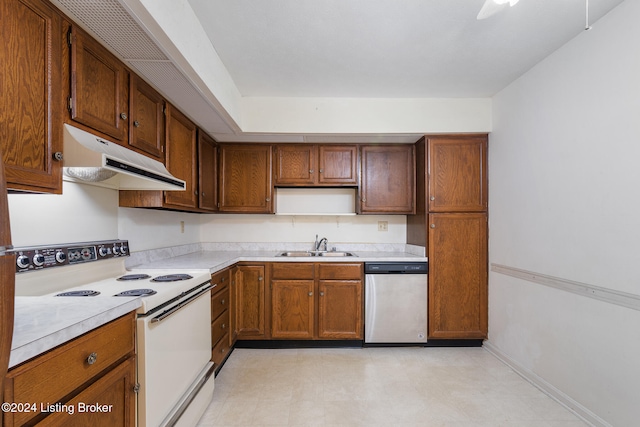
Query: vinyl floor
x=402, y=386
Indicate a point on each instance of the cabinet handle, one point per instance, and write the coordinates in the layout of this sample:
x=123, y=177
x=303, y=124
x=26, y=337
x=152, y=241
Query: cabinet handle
x=433, y=226
x=268, y=199
x=364, y=199
x=260, y=278
x=310, y=294
x=123, y=116
x=57, y=156
x=432, y=198
x=223, y=326
x=92, y=358
x=222, y=302
x=136, y=123
x=203, y=195
x=321, y=294
x=223, y=350
x=320, y=171
x=310, y=170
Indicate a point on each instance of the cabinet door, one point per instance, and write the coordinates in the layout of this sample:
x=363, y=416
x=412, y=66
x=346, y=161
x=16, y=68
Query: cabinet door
x=295, y=165
x=457, y=174
x=340, y=309
x=181, y=157
x=207, y=172
x=30, y=95
x=388, y=179
x=338, y=165
x=113, y=393
x=250, y=301
x=292, y=309
x=146, y=124
x=99, y=87
x=245, y=179
x=458, y=275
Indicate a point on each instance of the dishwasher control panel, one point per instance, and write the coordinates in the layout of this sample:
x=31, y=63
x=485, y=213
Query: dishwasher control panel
x=396, y=268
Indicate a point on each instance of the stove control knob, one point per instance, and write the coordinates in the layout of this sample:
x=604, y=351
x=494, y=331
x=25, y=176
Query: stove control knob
x=22, y=261
x=123, y=249
x=103, y=251
x=116, y=250
x=38, y=260
x=61, y=257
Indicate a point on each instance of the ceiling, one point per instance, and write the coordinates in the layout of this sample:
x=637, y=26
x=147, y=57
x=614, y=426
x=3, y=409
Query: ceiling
x=385, y=48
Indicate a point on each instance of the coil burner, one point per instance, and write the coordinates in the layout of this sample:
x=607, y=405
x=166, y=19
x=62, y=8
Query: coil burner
x=133, y=277
x=136, y=293
x=172, y=278
x=87, y=293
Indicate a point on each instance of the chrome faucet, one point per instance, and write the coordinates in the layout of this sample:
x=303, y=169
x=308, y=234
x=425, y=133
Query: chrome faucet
x=319, y=243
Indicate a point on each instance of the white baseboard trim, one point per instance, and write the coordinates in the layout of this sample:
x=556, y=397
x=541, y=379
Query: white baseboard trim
x=580, y=411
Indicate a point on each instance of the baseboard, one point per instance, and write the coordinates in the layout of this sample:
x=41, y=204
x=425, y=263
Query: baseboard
x=580, y=411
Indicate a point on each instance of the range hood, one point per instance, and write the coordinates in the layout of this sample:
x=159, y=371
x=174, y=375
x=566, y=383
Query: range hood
x=90, y=159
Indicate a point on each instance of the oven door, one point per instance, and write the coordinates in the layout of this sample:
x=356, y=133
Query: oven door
x=174, y=348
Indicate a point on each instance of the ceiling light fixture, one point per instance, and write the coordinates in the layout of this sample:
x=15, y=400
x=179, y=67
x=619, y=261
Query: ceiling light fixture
x=491, y=7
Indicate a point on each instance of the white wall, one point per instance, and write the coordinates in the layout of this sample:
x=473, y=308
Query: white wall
x=300, y=229
x=564, y=202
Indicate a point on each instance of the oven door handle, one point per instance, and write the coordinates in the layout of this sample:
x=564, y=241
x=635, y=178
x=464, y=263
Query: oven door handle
x=182, y=304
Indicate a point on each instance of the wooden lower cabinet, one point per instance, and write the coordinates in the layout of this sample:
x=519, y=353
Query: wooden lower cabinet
x=98, y=366
x=316, y=301
x=221, y=304
x=458, y=275
x=249, y=296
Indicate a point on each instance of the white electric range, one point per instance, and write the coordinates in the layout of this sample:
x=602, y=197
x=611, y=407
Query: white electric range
x=173, y=332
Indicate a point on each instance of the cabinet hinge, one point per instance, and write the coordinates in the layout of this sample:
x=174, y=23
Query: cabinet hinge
x=136, y=387
x=69, y=38
x=69, y=103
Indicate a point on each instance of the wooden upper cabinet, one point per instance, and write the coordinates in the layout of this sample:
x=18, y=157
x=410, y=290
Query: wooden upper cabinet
x=338, y=165
x=387, y=179
x=181, y=159
x=458, y=275
x=146, y=119
x=31, y=95
x=457, y=174
x=245, y=178
x=99, y=87
x=207, y=172
x=311, y=165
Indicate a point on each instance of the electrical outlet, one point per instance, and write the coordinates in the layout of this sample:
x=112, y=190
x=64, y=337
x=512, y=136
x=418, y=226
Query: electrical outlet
x=383, y=225
x=182, y=227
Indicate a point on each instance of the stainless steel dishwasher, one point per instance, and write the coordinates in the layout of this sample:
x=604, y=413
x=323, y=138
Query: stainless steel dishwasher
x=395, y=302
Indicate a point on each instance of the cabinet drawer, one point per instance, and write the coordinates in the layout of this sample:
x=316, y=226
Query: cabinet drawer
x=219, y=328
x=220, y=280
x=53, y=375
x=292, y=270
x=220, y=351
x=340, y=271
x=219, y=303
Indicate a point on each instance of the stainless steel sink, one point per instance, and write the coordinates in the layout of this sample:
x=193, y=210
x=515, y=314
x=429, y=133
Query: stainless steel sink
x=315, y=253
x=296, y=253
x=335, y=254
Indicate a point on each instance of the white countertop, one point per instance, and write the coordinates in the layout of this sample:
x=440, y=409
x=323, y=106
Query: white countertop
x=218, y=260
x=44, y=322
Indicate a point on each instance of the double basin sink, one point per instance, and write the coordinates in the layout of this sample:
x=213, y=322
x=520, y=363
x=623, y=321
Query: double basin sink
x=315, y=253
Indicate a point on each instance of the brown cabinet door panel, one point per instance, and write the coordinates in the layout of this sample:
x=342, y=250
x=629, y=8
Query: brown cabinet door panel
x=295, y=164
x=292, y=305
x=458, y=275
x=340, y=309
x=208, y=172
x=338, y=165
x=99, y=87
x=31, y=95
x=181, y=157
x=146, y=128
x=250, y=301
x=388, y=179
x=457, y=174
x=245, y=179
